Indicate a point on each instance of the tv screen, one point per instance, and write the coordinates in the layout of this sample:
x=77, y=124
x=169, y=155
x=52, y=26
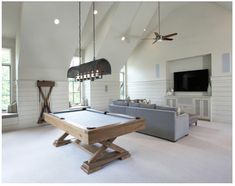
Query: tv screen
x=194, y=81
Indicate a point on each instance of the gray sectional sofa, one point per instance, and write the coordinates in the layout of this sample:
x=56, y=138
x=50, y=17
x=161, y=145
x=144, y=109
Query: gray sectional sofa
x=162, y=122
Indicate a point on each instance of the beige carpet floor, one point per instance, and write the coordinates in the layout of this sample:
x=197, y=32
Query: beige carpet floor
x=205, y=155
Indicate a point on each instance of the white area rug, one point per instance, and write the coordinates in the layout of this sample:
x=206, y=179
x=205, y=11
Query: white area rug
x=205, y=155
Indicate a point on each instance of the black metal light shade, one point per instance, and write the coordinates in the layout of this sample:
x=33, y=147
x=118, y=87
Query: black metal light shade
x=90, y=71
x=94, y=69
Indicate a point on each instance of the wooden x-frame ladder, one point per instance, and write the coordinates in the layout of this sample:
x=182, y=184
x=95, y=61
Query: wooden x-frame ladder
x=45, y=105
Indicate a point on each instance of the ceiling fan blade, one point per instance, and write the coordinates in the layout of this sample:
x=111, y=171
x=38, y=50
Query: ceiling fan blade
x=168, y=39
x=155, y=41
x=170, y=35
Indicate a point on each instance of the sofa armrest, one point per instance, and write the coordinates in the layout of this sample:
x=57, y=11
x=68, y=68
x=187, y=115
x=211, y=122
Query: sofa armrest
x=181, y=125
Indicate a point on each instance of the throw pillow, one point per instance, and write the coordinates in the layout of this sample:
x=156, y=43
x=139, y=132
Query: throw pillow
x=149, y=106
x=179, y=111
x=139, y=100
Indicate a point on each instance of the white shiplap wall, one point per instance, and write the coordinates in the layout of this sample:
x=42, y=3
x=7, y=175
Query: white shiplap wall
x=59, y=96
x=221, y=107
x=100, y=99
x=154, y=90
x=9, y=123
x=222, y=99
x=28, y=103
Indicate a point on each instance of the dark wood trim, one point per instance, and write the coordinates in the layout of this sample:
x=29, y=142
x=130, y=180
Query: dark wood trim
x=45, y=83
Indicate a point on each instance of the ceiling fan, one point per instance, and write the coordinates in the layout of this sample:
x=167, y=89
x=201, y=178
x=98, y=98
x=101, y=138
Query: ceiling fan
x=158, y=37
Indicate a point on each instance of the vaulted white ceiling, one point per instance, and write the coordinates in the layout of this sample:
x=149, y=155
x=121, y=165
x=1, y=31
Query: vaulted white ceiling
x=10, y=18
x=46, y=45
x=11, y=13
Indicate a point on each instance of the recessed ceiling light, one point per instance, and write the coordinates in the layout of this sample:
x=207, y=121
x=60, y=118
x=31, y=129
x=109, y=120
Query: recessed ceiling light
x=95, y=12
x=123, y=38
x=144, y=29
x=57, y=21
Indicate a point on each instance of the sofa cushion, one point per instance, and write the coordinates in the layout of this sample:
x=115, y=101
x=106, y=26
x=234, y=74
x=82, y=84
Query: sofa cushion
x=120, y=102
x=166, y=108
x=131, y=104
x=149, y=106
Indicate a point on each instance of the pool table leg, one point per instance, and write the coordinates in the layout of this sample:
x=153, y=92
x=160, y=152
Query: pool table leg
x=61, y=140
x=102, y=157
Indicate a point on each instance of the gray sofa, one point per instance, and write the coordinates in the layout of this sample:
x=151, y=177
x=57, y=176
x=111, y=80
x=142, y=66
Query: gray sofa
x=160, y=122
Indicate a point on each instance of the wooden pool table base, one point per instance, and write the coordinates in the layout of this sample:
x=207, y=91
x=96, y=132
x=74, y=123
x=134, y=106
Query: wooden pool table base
x=100, y=156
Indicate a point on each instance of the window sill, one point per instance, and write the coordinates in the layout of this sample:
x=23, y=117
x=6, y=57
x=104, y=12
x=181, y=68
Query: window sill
x=79, y=107
x=9, y=115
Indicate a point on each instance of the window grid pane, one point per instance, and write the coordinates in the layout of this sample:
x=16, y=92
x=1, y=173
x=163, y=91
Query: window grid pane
x=6, y=56
x=122, y=83
x=74, y=92
x=6, y=72
x=6, y=86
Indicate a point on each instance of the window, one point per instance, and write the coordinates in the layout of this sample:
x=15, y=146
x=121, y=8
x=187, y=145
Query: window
x=6, y=78
x=74, y=92
x=122, y=83
x=74, y=86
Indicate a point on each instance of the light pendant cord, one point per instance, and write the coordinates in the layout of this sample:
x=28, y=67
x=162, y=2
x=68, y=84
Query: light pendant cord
x=80, y=38
x=159, y=28
x=93, y=30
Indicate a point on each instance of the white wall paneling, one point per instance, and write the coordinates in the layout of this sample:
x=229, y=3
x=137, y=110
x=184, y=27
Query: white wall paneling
x=10, y=123
x=59, y=96
x=222, y=99
x=154, y=90
x=100, y=99
x=28, y=103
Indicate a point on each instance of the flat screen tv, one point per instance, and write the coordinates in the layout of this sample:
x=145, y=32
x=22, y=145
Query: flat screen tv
x=194, y=81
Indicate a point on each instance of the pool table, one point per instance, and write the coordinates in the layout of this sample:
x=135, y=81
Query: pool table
x=95, y=131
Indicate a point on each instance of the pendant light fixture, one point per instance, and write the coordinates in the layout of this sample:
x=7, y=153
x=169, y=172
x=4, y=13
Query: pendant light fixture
x=79, y=33
x=94, y=69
